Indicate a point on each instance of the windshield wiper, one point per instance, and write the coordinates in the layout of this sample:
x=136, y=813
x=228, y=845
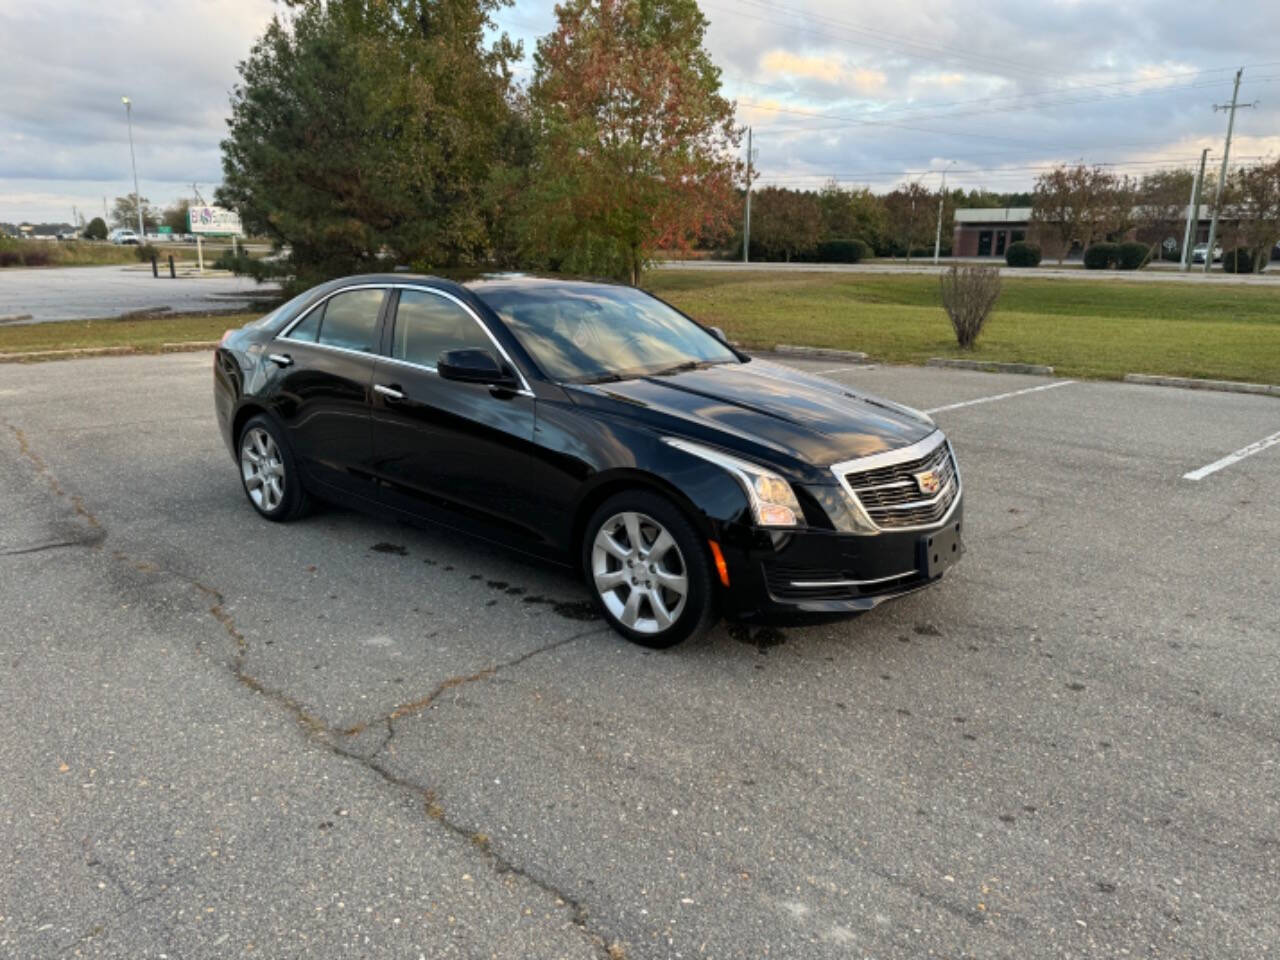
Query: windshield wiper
x=678, y=368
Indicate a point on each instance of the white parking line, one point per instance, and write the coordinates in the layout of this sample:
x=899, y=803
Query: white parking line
x=999, y=396
x=1231, y=458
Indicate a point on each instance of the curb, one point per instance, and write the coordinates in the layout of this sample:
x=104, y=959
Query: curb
x=991, y=366
x=1190, y=383
x=819, y=353
x=123, y=351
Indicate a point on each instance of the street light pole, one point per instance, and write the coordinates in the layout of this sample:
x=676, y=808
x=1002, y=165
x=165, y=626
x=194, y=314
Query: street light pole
x=937, y=237
x=137, y=197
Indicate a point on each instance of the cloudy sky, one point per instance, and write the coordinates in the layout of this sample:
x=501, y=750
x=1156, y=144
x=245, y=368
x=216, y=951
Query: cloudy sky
x=868, y=93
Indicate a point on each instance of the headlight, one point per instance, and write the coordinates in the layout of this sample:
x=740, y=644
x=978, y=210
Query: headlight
x=773, y=502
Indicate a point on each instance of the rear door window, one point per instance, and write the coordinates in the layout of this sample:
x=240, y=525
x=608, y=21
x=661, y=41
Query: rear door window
x=347, y=320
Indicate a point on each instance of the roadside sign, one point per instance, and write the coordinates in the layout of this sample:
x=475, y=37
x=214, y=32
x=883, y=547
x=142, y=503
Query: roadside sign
x=164, y=229
x=214, y=221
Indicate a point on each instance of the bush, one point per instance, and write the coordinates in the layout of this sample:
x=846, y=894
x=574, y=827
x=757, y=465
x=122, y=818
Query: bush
x=1172, y=254
x=968, y=295
x=95, y=229
x=10, y=257
x=146, y=252
x=1239, y=260
x=1022, y=254
x=1101, y=256
x=37, y=257
x=1132, y=255
x=842, y=251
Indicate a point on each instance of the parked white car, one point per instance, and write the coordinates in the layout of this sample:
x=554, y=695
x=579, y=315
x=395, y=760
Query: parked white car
x=1200, y=249
x=122, y=235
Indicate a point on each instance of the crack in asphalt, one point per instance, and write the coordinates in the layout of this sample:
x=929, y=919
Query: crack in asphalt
x=317, y=731
x=42, y=468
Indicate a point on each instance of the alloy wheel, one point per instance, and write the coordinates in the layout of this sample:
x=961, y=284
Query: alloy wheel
x=639, y=572
x=263, y=469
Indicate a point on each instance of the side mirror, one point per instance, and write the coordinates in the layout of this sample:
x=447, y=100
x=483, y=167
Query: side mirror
x=719, y=334
x=475, y=366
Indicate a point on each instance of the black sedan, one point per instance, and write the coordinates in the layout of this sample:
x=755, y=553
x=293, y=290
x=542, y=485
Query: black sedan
x=598, y=426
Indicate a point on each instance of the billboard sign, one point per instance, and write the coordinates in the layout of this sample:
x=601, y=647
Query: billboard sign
x=214, y=221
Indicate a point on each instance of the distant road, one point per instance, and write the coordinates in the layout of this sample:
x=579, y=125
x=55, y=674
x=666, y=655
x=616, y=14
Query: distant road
x=39, y=295
x=1066, y=272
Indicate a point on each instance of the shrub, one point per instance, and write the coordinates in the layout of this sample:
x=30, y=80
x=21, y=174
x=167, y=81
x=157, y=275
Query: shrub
x=1022, y=254
x=841, y=251
x=1172, y=254
x=10, y=258
x=37, y=257
x=968, y=295
x=1239, y=260
x=1101, y=256
x=95, y=229
x=1132, y=255
x=146, y=252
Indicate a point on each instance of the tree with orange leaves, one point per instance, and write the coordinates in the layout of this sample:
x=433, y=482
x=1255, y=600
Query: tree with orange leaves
x=636, y=146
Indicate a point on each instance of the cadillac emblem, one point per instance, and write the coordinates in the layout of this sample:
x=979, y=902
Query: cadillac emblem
x=928, y=482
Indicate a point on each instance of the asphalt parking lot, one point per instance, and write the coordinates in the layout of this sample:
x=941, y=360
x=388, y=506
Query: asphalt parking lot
x=39, y=294
x=347, y=736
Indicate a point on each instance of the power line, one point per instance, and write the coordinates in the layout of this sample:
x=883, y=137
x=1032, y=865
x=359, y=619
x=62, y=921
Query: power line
x=879, y=39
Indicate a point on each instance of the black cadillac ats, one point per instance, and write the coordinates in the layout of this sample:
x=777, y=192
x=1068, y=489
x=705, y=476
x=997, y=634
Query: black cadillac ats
x=597, y=426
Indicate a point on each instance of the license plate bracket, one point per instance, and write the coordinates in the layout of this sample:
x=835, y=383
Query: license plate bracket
x=938, y=550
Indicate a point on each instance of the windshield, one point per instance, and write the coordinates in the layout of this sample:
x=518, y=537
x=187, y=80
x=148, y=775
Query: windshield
x=584, y=334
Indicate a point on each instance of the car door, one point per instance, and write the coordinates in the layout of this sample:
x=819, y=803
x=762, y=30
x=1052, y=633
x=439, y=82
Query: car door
x=441, y=445
x=322, y=388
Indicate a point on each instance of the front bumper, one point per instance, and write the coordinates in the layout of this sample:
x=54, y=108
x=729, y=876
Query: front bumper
x=822, y=571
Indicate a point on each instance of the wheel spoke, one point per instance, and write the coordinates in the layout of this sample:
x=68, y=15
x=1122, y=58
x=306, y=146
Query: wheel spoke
x=610, y=580
x=660, y=611
x=632, y=522
x=605, y=542
x=631, y=612
x=675, y=582
x=253, y=481
x=661, y=544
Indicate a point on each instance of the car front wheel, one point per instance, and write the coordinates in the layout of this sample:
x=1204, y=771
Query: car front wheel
x=648, y=570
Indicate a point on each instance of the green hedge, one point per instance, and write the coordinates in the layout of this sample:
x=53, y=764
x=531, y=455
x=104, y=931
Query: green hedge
x=842, y=251
x=1239, y=260
x=1132, y=255
x=1022, y=254
x=1101, y=256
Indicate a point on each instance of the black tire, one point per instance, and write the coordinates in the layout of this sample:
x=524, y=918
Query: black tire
x=657, y=578
x=282, y=498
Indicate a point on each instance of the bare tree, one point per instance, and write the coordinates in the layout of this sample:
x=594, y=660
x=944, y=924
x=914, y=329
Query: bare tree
x=968, y=295
x=910, y=209
x=1075, y=204
x=1256, y=192
x=1161, y=207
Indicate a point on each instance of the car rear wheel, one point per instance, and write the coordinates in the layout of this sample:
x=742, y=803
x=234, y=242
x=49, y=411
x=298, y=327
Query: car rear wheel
x=269, y=473
x=648, y=570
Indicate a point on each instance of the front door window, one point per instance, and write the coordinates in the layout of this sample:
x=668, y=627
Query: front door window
x=984, y=243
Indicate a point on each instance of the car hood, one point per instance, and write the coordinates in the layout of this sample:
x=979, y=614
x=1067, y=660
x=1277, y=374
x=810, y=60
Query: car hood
x=798, y=415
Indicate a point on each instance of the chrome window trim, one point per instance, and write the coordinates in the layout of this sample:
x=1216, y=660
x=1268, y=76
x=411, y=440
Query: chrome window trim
x=853, y=583
x=889, y=458
x=524, y=391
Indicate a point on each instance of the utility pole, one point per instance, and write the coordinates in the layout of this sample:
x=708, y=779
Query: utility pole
x=1193, y=215
x=1222, y=177
x=937, y=237
x=137, y=197
x=746, y=222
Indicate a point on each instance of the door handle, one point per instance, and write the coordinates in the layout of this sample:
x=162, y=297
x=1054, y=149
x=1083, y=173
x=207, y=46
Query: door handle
x=280, y=359
x=390, y=392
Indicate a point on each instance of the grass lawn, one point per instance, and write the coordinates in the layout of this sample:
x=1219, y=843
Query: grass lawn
x=1084, y=329
x=141, y=333
x=1104, y=329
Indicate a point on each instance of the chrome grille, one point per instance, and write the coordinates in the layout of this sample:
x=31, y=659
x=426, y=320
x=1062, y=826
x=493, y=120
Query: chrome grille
x=891, y=496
